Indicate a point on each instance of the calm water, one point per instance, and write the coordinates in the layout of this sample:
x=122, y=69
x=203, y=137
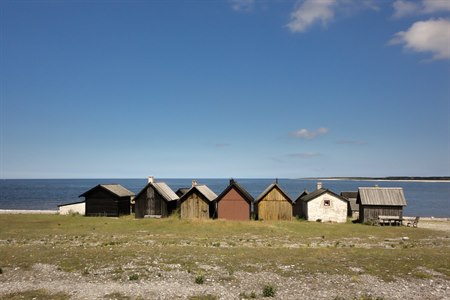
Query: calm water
x=423, y=198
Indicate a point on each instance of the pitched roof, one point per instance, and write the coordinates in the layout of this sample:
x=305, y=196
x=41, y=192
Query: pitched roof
x=349, y=195
x=318, y=193
x=271, y=187
x=115, y=189
x=163, y=189
x=381, y=196
x=203, y=189
x=233, y=184
x=303, y=194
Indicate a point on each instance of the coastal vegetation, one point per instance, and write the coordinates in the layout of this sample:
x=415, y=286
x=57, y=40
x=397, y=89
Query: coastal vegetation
x=127, y=249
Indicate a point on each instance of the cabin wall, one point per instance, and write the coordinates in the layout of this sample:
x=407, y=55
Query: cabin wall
x=233, y=207
x=152, y=203
x=194, y=207
x=274, y=206
x=298, y=209
x=75, y=208
x=335, y=212
x=102, y=203
x=371, y=212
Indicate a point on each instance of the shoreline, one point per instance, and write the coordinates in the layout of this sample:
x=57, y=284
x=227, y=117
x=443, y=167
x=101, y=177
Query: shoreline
x=379, y=180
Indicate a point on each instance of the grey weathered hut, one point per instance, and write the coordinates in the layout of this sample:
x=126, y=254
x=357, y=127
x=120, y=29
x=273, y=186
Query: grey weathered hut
x=234, y=203
x=353, y=207
x=274, y=204
x=198, y=202
x=111, y=200
x=376, y=201
x=156, y=199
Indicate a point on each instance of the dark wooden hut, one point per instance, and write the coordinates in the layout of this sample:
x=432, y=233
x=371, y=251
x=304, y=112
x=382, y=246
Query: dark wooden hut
x=198, y=202
x=234, y=203
x=376, y=201
x=297, y=208
x=156, y=200
x=274, y=204
x=111, y=200
x=353, y=207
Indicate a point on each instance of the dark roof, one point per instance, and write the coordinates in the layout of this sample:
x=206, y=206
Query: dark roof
x=115, y=189
x=233, y=184
x=270, y=188
x=320, y=192
x=303, y=194
x=353, y=205
x=349, y=195
x=65, y=204
x=381, y=196
x=203, y=190
x=181, y=191
x=163, y=189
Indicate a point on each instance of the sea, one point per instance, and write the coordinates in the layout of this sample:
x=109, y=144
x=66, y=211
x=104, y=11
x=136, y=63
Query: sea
x=426, y=199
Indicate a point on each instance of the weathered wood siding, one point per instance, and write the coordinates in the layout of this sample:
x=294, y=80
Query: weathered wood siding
x=371, y=212
x=102, y=203
x=274, y=206
x=335, y=212
x=194, y=207
x=233, y=207
x=298, y=209
x=151, y=202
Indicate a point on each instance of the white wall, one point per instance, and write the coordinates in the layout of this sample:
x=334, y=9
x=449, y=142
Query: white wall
x=336, y=212
x=73, y=208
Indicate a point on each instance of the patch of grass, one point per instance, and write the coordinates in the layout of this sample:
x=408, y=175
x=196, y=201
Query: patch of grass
x=39, y=294
x=133, y=277
x=116, y=296
x=269, y=290
x=199, y=279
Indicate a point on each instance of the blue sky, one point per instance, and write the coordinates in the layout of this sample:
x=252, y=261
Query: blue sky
x=117, y=89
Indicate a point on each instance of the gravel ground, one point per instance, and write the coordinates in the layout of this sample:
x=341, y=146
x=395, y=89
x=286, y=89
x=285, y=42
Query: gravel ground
x=180, y=285
x=220, y=284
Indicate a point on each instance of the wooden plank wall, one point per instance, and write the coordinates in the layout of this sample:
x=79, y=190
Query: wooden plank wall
x=101, y=203
x=194, y=207
x=369, y=212
x=274, y=206
x=233, y=207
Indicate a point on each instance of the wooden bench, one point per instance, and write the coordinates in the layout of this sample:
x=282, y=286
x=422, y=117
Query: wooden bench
x=414, y=222
x=390, y=220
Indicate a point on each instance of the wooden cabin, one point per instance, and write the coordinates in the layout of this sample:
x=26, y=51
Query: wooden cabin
x=376, y=201
x=274, y=204
x=325, y=206
x=353, y=207
x=234, y=203
x=110, y=200
x=197, y=203
x=297, y=208
x=155, y=200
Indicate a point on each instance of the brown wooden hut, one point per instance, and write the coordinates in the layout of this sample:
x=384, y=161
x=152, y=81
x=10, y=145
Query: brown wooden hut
x=197, y=203
x=156, y=200
x=274, y=204
x=353, y=207
x=376, y=201
x=234, y=203
x=111, y=200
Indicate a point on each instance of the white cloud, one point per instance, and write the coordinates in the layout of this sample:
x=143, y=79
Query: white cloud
x=426, y=36
x=403, y=8
x=242, y=5
x=310, y=12
x=310, y=134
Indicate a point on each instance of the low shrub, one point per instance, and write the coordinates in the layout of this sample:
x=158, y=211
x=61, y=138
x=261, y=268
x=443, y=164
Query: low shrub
x=133, y=277
x=269, y=290
x=200, y=279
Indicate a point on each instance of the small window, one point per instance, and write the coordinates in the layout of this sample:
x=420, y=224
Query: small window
x=326, y=202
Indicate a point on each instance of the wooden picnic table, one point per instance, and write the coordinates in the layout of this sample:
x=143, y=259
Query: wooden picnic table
x=390, y=220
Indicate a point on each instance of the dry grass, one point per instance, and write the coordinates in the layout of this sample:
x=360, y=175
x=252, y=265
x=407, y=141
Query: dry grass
x=122, y=247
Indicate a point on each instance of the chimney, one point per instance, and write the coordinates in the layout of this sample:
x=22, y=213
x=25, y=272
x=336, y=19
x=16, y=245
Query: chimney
x=232, y=181
x=194, y=183
x=319, y=185
x=151, y=179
